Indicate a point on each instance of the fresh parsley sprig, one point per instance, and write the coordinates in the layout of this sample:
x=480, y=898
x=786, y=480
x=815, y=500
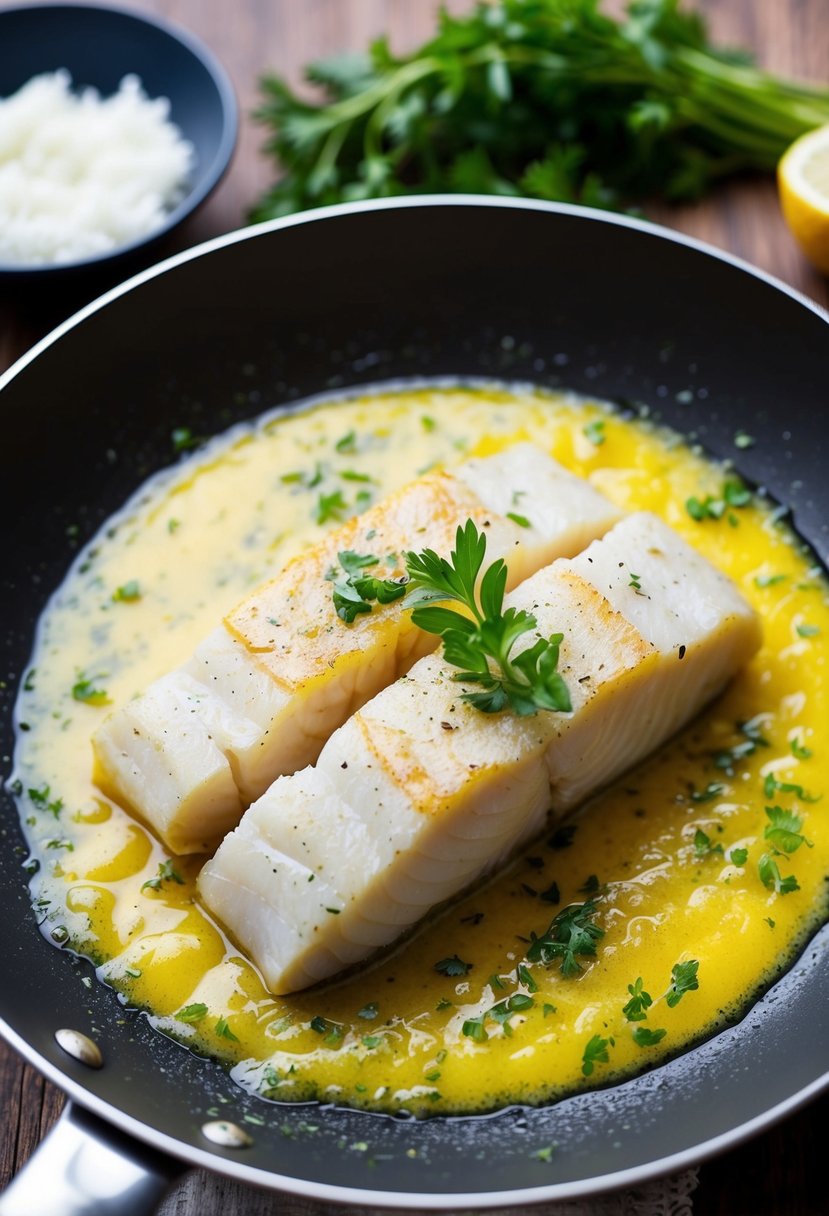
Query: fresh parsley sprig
x=480, y=641
x=554, y=99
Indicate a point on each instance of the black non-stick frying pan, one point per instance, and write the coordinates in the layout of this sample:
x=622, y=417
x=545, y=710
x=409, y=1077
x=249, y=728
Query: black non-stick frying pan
x=356, y=296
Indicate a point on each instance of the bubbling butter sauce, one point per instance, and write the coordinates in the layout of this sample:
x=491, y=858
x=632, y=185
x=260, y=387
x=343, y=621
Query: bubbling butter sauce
x=703, y=894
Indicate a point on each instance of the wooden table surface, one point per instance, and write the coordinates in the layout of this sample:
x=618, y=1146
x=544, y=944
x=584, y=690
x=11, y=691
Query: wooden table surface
x=779, y=1173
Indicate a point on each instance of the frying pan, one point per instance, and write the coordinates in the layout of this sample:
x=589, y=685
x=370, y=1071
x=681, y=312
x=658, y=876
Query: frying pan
x=360, y=295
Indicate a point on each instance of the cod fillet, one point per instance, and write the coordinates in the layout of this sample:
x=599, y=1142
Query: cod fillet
x=260, y=696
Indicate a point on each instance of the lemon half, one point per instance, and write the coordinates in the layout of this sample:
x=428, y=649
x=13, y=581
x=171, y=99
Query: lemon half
x=803, y=182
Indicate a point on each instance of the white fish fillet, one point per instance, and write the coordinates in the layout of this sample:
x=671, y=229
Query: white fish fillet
x=265, y=690
x=419, y=793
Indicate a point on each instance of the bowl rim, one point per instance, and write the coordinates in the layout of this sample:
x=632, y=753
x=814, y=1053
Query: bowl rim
x=214, y=172
x=585, y=1188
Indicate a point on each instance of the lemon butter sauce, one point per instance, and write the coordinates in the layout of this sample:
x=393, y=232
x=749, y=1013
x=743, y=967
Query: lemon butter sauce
x=674, y=896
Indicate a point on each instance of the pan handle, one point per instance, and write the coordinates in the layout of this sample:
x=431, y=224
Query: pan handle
x=85, y=1167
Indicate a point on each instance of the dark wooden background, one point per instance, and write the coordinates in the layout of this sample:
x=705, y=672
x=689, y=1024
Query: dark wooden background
x=781, y=1172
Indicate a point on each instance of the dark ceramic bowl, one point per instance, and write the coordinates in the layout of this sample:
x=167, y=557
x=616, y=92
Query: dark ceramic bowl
x=99, y=45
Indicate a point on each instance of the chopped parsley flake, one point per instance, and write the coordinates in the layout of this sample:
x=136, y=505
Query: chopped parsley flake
x=357, y=591
x=703, y=845
x=572, y=934
x=348, y=443
x=84, y=690
x=640, y=1001
x=799, y=751
x=224, y=1031
x=643, y=1037
x=783, y=830
x=167, y=872
x=192, y=1013
x=453, y=966
x=683, y=979
x=595, y=1052
x=771, y=877
x=128, y=593
x=807, y=631
x=594, y=431
x=771, y=786
x=738, y=857
x=521, y=520
x=331, y=506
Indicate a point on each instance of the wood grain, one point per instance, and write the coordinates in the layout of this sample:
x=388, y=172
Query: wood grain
x=779, y=1173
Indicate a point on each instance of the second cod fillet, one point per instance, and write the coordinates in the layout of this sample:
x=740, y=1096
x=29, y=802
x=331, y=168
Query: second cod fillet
x=420, y=793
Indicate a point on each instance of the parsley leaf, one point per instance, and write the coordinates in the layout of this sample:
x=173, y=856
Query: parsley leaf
x=167, y=872
x=703, y=845
x=84, y=690
x=571, y=934
x=224, y=1031
x=783, y=830
x=453, y=966
x=528, y=681
x=683, y=979
x=192, y=1013
x=595, y=1052
x=128, y=593
x=640, y=1001
x=594, y=431
x=799, y=751
x=771, y=877
x=331, y=506
x=643, y=1037
x=771, y=786
x=357, y=592
x=738, y=857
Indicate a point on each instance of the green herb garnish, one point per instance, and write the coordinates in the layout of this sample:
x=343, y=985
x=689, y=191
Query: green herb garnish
x=799, y=751
x=84, y=690
x=528, y=681
x=572, y=934
x=128, y=593
x=167, y=872
x=453, y=966
x=783, y=830
x=703, y=845
x=594, y=431
x=771, y=877
x=595, y=1052
x=357, y=591
x=643, y=1037
x=640, y=1001
x=224, y=1031
x=771, y=786
x=330, y=506
x=192, y=1013
x=683, y=979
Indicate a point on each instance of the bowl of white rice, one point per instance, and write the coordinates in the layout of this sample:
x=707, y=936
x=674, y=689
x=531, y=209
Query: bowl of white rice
x=114, y=128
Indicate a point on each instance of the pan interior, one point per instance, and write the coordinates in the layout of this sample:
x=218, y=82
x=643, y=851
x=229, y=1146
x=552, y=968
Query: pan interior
x=217, y=344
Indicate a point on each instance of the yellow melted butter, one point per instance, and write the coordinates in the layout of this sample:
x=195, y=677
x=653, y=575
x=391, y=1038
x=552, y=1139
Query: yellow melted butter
x=391, y=1035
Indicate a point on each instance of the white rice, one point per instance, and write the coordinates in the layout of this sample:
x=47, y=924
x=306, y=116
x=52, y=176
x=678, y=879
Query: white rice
x=81, y=175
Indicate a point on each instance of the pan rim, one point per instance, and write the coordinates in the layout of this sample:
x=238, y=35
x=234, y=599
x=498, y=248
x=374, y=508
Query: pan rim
x=390, y=204
x=206, y=1159
x=240, y=1171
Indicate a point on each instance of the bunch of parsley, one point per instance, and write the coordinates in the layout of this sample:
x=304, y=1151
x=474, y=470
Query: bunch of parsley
x=547, y=98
